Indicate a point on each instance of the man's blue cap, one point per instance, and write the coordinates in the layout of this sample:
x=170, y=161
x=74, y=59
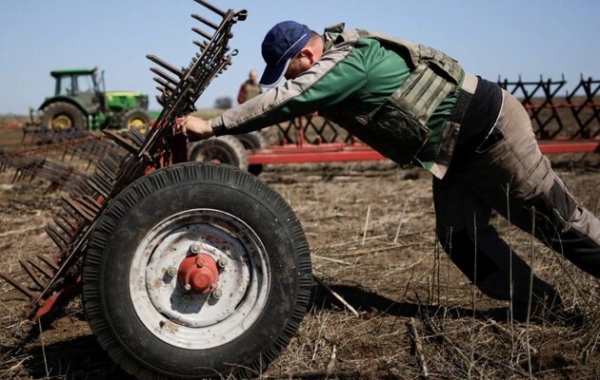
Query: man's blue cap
x=280, y=45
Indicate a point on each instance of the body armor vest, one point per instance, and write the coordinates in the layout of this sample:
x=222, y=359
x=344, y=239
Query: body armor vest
x=398, y=128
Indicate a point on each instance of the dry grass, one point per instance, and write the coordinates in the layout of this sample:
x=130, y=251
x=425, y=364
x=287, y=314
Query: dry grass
x=371, y=232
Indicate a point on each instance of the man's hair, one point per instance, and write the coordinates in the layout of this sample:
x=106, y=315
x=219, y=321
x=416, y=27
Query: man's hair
x=313, y=39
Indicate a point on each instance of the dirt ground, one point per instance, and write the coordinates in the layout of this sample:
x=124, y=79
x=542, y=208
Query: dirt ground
x=371, y=231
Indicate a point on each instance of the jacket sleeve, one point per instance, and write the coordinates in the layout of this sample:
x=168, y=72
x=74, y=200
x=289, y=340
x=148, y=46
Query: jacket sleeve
x=338, y=75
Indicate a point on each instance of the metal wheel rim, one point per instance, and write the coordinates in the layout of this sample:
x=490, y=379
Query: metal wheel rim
x=61, y=122
x=196, y=321
x=137, y=123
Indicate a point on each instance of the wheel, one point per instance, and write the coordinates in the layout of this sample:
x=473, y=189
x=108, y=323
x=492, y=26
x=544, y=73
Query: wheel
x=223, y=149
x=253, y=140
x=136, y=118
x=63, y=115
x=196, y=270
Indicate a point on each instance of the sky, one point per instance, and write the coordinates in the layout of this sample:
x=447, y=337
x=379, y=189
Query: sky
x=491, y=38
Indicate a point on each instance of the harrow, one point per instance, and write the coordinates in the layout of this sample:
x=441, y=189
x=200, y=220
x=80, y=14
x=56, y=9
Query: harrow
x=185, y=269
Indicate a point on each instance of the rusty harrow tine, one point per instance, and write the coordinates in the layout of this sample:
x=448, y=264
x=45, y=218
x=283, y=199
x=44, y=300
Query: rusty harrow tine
x=72, y=212
x=164, y=76
x=107, y=174
x=79, y=185
x=40, y=269
x=137, y=136
x=202, y=33
x=81, y=207
x=165, y=65
x=166, y=84
x=212, y=8
x=165, y=87
x=101, y=185
x=48, y=262
x=30, y=294
x=205, y=21
x=57, y=237
x=108, y=166
x=31, y=273
x=90, y=203
x=64, y=224
x=123, y=142
x=201, y=45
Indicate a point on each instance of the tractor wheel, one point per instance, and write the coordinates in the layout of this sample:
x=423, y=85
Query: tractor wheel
x=223, y=149
x=63, y=115
x=136, y=118
x=253, y=140
x=196, y=271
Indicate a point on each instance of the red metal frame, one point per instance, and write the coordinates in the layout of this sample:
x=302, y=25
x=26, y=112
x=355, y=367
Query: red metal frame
x=330, y=152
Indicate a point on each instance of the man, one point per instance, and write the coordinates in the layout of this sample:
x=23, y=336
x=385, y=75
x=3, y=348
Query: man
x=414, y=104
x=250, y=88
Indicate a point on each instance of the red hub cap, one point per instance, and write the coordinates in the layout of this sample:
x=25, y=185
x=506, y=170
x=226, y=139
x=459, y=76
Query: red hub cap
x=198, y=273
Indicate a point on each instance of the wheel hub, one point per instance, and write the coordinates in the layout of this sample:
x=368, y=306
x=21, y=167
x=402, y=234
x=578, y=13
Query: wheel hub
x=198, y=273
x=199, y=279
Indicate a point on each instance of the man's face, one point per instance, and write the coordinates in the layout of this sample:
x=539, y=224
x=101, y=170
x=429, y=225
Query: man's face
x=302, y=62
x=253, y=76
x=296, y=67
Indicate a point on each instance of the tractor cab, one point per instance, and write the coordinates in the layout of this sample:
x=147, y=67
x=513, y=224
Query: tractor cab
x=80, y=101
x=82, y=86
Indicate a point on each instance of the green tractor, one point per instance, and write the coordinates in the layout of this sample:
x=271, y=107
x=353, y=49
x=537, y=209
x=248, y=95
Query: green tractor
x=81, y=102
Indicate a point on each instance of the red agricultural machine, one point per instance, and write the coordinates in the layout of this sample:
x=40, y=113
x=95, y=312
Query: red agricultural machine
x=190, y=269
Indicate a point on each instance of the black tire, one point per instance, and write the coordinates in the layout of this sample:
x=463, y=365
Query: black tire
x=63, y=115
x=223, y=149
x=136, y=118
x=253, y=140
x=144, y=227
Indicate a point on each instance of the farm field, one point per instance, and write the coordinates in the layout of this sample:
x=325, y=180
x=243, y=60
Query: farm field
x=408, y=313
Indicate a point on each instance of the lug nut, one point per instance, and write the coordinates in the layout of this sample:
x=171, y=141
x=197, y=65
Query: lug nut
x=172, y=271
x=195, y=248
x=222, y=262
x=217, y=293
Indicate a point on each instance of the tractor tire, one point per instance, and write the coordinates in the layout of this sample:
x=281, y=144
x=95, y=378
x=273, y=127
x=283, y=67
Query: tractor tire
x=63, y=115
x=133, y=295
x=223, y=149
x=136, y=118
x=253, y=140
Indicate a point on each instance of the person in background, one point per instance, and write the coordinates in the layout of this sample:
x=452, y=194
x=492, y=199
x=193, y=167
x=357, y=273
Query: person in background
x=250, y=88
x=416, y=105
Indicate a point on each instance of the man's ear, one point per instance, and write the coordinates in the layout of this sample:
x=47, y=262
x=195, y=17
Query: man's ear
x=308, y=53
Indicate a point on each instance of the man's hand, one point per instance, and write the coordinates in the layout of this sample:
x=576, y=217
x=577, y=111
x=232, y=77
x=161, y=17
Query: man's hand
x=195, y=128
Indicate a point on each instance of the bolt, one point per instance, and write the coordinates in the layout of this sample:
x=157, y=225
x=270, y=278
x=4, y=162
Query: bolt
x=199, y=262
x=195, y=248
x=172, y=271
x=217, y=293
x=222, y=262
x=187, y=287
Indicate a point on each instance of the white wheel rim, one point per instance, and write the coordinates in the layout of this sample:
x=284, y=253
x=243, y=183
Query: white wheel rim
x=191, y=320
